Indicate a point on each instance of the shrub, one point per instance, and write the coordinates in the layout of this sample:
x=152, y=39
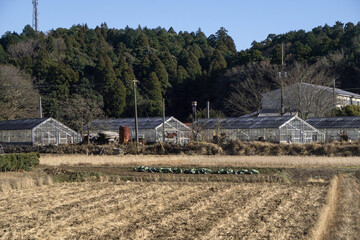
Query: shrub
x=204, y=148
x=16, y=161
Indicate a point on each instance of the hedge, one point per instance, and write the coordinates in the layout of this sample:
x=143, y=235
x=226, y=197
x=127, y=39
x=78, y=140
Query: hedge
x=16, y=161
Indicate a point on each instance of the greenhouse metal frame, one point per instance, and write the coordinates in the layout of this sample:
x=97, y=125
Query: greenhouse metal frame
x=283, y=129
x=149, y=129
x=334, y=127
x=37, y=131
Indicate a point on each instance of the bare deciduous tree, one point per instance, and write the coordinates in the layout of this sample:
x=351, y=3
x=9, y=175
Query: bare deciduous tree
x=78, y=111
x=59, y=48
x=306, y=91
x=251, y=82
x=21, y=49
x=18, y=97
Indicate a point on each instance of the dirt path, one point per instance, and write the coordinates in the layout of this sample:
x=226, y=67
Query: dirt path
x=347, y=222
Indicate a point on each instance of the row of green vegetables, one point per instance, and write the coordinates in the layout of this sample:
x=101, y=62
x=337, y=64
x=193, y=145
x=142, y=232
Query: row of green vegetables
x=195, y=170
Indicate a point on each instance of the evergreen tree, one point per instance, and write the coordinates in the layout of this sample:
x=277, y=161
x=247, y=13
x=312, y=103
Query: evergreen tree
x=193, y=66
x=182, y=74
x=218, y=62
x=187, y=65
x=171, y=68
x=113, y=90
x=159, y=69
x=2, y=55
x=154, y=103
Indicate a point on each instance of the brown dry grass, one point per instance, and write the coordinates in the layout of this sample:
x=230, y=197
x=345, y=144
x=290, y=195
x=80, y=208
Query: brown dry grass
x=23, y=180
x=201, y=160
x=156, y=210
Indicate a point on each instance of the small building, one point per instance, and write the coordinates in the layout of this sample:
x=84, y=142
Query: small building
x=306, y=100
x=36, y=131
x=283, y=129
x=335, y=127
x=150, y=129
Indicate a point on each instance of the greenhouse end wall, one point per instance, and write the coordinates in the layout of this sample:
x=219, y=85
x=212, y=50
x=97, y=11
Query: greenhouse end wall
x=54, y=132
x=297, y=131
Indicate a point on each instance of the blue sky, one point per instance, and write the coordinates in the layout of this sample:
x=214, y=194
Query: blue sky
x=245, y=21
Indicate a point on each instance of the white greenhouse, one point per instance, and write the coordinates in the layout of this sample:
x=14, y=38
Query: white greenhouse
x=150, y=129
x=283, y=129
x=334, y=127
x=36, y=131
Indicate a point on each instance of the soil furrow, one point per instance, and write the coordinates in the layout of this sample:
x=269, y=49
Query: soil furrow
x=85, y=215
x=232, y=227
x=200, y=218
x=191, y=195
x=125, y=214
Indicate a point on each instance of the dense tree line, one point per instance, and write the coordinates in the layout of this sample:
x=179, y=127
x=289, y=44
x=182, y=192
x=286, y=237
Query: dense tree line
x=71, y=67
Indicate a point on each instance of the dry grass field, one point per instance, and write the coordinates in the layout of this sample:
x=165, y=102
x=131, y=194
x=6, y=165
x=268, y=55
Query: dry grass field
x=291, y=198
x=23, y=180
x=155, y=210
x=201, y=160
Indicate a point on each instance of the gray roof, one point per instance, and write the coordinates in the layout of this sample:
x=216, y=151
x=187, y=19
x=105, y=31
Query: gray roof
x=21, y=124
x=338, y=91
x=335, y=122
x=275, y=112
x=244, y=123
x=114, y=124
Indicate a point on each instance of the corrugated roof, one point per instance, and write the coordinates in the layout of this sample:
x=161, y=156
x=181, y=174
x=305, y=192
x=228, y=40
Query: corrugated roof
x=114, y=124
x=244, y=123
x=335, y=122
x=21, y=124
x=338, y=91
x=275, y=112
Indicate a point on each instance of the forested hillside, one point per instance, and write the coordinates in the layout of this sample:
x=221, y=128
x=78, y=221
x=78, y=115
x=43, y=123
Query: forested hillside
x=84, y=73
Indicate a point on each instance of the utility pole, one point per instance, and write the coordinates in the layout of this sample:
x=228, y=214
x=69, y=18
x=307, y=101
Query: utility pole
x=334, y=95
x=136, y=117
x=163, y=112
x=40, y=107
x=281, y=76
x=194, y=104
x=35, y=15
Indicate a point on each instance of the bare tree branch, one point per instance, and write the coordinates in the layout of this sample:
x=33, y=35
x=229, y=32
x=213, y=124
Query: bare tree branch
x=306, y=91
x=252, y=81
x=18, y=97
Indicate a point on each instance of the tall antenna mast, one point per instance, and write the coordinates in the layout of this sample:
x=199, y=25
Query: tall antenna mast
x=35, y=15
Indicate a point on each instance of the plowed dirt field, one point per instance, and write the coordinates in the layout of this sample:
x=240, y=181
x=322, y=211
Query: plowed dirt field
x=162, y=210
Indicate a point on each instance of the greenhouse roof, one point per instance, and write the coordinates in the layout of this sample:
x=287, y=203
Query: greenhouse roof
x=244, y=123
x=114, y=124
x=21, y=124
x=335, y=122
